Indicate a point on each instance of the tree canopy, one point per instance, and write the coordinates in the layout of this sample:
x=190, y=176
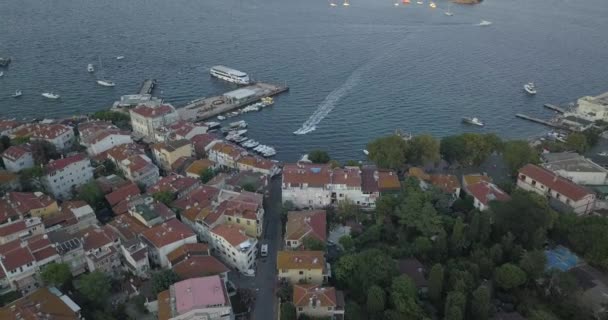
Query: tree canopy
x=577, y=142
x=318, y=156
x=56, y=274
x=163, y=279
x=95, y=287
x=509, y=276
x=517, y=153
x=388, y=152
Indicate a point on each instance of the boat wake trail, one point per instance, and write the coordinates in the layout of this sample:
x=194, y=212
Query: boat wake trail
x=329, y=103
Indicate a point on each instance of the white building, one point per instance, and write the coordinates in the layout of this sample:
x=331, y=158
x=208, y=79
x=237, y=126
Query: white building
x=17, y=158
x=65, y=175
x=225, y=154
x=593, y=108
x=575, y=167
x=145, y=119
x=484, y=192
x=234, y=247
x=179, y=130
x=140, y=169
x=307, y=185
x=549, y=184
x=100, y=136
x=166, y=237
x=59, y=135
x=21, y=230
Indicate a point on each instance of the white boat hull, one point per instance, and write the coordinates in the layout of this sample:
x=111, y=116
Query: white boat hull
x=105, y=83
x=50, y=96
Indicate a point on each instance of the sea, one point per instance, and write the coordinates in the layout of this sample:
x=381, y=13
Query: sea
x=355, y=72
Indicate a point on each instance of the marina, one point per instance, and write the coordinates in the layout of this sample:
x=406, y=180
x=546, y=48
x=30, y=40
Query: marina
x=205, y=108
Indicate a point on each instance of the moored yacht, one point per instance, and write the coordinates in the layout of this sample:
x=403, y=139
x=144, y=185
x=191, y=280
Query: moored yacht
x=530, y=88
x=106, y=83
x=473, y=121
x=603, y=154
x=90, y=68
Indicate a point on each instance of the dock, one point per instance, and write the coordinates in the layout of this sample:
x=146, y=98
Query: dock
x=554, y=108
x=552, y=124
x=205, y=108
x=147, y=86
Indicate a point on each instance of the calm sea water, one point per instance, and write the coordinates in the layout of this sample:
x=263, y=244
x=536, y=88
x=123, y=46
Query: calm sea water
x=368, y=69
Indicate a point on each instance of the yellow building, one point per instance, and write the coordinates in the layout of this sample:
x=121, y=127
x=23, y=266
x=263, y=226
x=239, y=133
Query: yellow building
x=166, y=153
x=302, y=267
x=36, y=204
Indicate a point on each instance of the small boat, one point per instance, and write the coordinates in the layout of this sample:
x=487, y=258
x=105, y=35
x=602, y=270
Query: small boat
x=530, y=88
x=106, y=83
x=332, y=4
x=90, y=68
x=120, y=57
x=603, y=154
x=50, y=95
x=432, y=5
x=449, y=12
x=268, y=101
x=484, y=23
x=17, y=94
x=346, y=3
x=396, y=4
x=4, y=61
x=221, y=118
x=419, y=2
x=366, y=152
x=1, y=74
x=474, y=121
x=238, y=124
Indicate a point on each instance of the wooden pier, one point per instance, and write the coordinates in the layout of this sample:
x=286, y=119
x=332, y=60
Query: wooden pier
x=147, y=86
x=554, y=108
x=541, y=121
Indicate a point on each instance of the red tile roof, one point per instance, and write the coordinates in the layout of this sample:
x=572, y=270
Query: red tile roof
x=17, y=258
x=228, y=149
x=486, y=192
x=199, y=266
x=388, y=180
x=188, y=250
x=349, y=176
x=123, y=193
x=323, y=296
x=301, y=224
x=199, y=197
x=553, y=181
x=169, y=232
x=8, y=125
x=256, y=162
x=97, y=237
x=315, y=175
x=42, y=131
x=121, y=152
x=174, y=184
x=153, y=111
x=234, y=234
x=56, y=165
x=14, y=153
x=200, y=141
x=15, y=227
x=235, y=208
x=127, y=227
x=24, y=202
x=446, y=182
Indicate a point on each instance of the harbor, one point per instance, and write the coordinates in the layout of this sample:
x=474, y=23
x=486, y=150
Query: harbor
x=205, y=108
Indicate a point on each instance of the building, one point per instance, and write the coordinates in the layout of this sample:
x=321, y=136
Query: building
x=576, y=168
x=257, y=164
x=20, y=205
x=234, y=247
x=100, y=136
x=44, y=303
x=119, y=199
x=318, y=302
x=245, y=210
x=101, y=249
x=201, y=266
x=59, y=135
x=140, y=170
x=187, y=251
x=166, y=153
x=19, y=157
x=447, y=183
x=593, y=108
x=197, y=298
x=307, y=185
x=135, y=257
x=203, y=142
x=151, y=212
x=302, y=267
x=166, y=237
x=375, y=182
x=225, y=154
x=179, y=130
x=177, y=185
x=485, y=192
x=469, y=179
x=8, y=126
x=9, y=182
x=62, y=177
x=145, y=119
x=237, y=181
x=72, y=217
x=21, y=229
x=197, y=167
x=305, y=224
x=71, y=250
x=546, y=183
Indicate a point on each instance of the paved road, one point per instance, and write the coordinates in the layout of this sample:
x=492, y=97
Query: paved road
x=264, y=282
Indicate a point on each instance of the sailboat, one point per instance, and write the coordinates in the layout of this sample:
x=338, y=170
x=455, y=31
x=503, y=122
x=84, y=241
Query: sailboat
x=104, y=82
x=449, y=12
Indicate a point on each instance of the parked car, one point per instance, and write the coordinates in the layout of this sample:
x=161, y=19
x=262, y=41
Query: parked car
x=264, y=250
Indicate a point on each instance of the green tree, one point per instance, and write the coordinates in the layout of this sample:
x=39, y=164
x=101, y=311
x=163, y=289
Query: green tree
x=577, y=142
x=56, y=274
x=30, y=179
x=347, y=243
x=207, y=174
x=469, y=148
x=436, y=282
x=509, y=276
x=403, y=295
x=95, y=287
x=533, y=263
x=119, y=119
x=319, y=156
x=288, y=311
x=480, y=303
x=424, y=148
x=518, y=153
x=91, y=194
x=455, y=303
x=248, y=187
x=312, y=243
x=358, y=272
x=163, y=279
x=376, y=300
x=43, y=151
x=5, y=143
x=20, y=140
x=353, y=311
x=166, y=197
x=458, y=238
x=388, y=152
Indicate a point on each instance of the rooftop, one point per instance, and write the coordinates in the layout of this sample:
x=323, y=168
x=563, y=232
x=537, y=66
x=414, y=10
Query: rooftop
x=171, y=145
x=256, y=162
x=304, y=294
x=122, y=193
x=446, y=182
x=186, y=250
x=199, y=293
x=413, y=269
x=198, y=166
x=39, y=304
x=96, y=237
x=239, y=94
x=199, y=266
x=166, y=233
x=486, y=192
x=302, y=224
x=153, y=111
x=174, y=184
x=300, y=260
x=56, y=165
x=233, y=234
x=314, y=175
x=570, y=162
x=227, y=148
x=14, y=153
x=127, y=227
x=475, y=178
x=555, y=182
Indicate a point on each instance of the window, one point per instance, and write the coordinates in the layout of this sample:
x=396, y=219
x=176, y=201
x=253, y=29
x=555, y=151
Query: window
x=248, y=222
x=533, y=182
x=301, y=272
x=300, y=308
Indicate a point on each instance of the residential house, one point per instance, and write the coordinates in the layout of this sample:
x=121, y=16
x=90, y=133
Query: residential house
x=62, y=177
x=203, y=142
x=179, y=130
x=414, y=269
x=469, y=179
x=546, y=183
x=119, y=199
x=145, y=119
x=225, y=154
x=166, y=153
x=21, y=229
x=257, y=164
x=133, y=250
x=8, y=126
x=140, y=170
x=177, y=185
x=101, y=248
x=73, y=217
x=44, y=303
x=196, y=210
x=237, y=181
x=9, y=182
x=187, y=251
x=346, y=186
x=576, y=168
x=166, y=237
x=201, y=266
x=19, y=205
x=485, y=192
x=234, y=247
x=195, y=169
x=19, y=157
x=197, y=298
x=180, y=165
x=315, y=301
x=305, y=224
x=302, y=267
x=245, y=210
x=100, y=136
x=307, y=185
x=111, y=183
x=59, y=135
x=151, y=212
x=447, y=183
x=71, y=250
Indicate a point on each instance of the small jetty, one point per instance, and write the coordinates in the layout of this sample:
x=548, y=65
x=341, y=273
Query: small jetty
x=205, y=108
x=147, y=86
x=541, y=121
x=554, y=108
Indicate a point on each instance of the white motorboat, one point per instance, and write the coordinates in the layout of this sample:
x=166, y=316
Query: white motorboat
x=396, y=4
x=603, y=154
x=120, y=57
x=17, y=94
x=331, y=4
x=346, y=3
x=473, y=121
x=530, y=88
x=90, y=68
x=106, y=83
x=449, y=12
x=221, y=118
x=419, y=2
x=238, y=124
x=432, y=5
x=484, y=23
x=50, y=95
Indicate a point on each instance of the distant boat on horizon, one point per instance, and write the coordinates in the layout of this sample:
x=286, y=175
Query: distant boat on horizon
x=346, y=3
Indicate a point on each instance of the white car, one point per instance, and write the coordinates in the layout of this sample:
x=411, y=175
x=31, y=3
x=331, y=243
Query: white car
x=264, y=250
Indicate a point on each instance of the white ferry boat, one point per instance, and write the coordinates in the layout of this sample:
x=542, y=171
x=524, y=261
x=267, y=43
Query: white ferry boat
x=230, y=75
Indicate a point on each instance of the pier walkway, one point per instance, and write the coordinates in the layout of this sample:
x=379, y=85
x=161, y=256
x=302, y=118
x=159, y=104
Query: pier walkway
x=554, y=108
x=147, y=86
x=553, y=124
x=205, y=108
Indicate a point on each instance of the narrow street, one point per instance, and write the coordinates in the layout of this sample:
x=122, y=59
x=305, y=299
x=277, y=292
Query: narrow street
x=264, y=282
